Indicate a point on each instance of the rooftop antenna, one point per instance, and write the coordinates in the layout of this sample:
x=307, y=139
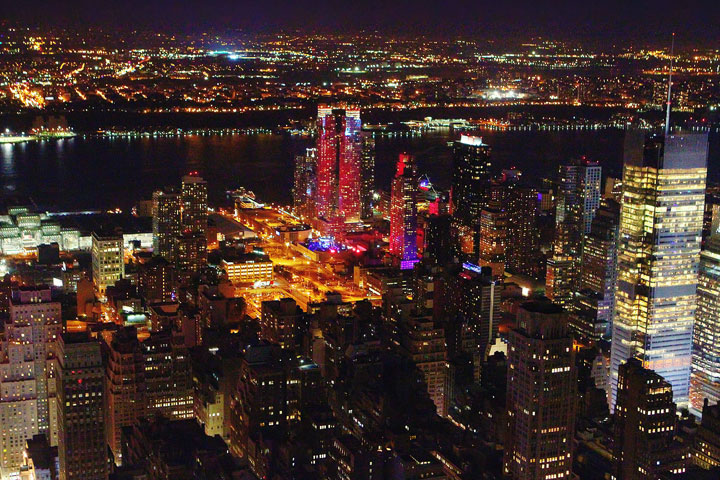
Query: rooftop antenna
x=667, y=113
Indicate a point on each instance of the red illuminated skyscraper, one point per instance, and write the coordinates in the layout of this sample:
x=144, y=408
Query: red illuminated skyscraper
x=339, y=178
x=403, y=213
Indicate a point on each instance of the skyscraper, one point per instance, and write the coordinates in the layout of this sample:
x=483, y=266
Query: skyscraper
x=124, y=385
x=522, y=248
x=595, y=303
x=493, y=238
x=194, y=207
x=424, y=342
x=166, y=221
x=305, y=184
x=541, y=394
x=339, y=148
x=403, y=213
x=661, y=222
x=368, y=175
x=471, y=178
x=644, y=426
x=34, y=326
x=577, y=200
x=475, y=295
x=108, y=260
x=190, y=251
x=81, y=423
x=705, y=376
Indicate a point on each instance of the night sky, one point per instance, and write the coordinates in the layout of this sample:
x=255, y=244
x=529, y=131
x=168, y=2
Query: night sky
x=613, y=21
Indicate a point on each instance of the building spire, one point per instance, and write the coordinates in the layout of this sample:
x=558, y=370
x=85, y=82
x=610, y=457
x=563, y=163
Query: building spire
x=667, y=113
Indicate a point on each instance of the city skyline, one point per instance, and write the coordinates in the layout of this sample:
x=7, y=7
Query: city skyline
x=284, y=241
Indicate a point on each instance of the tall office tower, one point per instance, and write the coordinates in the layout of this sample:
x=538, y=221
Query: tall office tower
x=644, y=426
x=523, y=245
x=705, y=374
x=706, y=450
x=658, y=255
x=493, y=238
x=34, y=325
x=595, y=304
x=471, y=178
x=305, y=184
x=403, y=213
x=81, y=424
x=166, y=221
x=168, y=376
x=577, y=200
x=476, y=296
x=194, y=207
x=190, y=252
x=108, y=260
x=124, y=385
x=339, y=181
x=367, y=160
x=424, y=342
x=541, y=394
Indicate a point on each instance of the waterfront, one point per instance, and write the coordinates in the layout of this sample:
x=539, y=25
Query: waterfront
x=115, y=172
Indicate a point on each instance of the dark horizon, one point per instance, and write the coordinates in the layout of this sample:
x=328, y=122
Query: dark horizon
x=609, y=23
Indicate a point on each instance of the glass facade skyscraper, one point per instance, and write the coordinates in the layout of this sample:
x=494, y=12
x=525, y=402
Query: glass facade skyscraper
x=705, y=377
x=578, y=199
x=661, y=220
x=339, y=149
x=403, y=213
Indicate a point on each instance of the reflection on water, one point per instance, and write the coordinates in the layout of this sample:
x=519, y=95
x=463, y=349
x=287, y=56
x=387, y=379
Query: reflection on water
x=101, y=172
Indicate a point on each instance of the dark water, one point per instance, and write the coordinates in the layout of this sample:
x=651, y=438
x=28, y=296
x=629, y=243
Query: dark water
x=100, y=172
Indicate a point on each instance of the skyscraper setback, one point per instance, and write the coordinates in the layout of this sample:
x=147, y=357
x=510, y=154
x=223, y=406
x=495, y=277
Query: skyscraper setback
x=339, y=181
x=403, y=213
x=661, y=223
x=25, y=409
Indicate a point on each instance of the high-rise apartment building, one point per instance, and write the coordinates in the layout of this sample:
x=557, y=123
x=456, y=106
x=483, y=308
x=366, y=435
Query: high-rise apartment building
x=190, y=252
x=124, y=385
x=661, y=220
x=305, y=184
x=108, y=260
x=522, y=247
x=493, y=238
x=81, y=423
x=194, y=204
x=577, y=200
x=595, y=303
x=705, y=375
x=34, y=325
x=541, y=395
x=279, y=322
x=368, y=175
x=424, y=342
x=644, y=426
x=156, y=279
x=339, y=148
x=403, y=213
x=168, y=378
x=166, y=221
